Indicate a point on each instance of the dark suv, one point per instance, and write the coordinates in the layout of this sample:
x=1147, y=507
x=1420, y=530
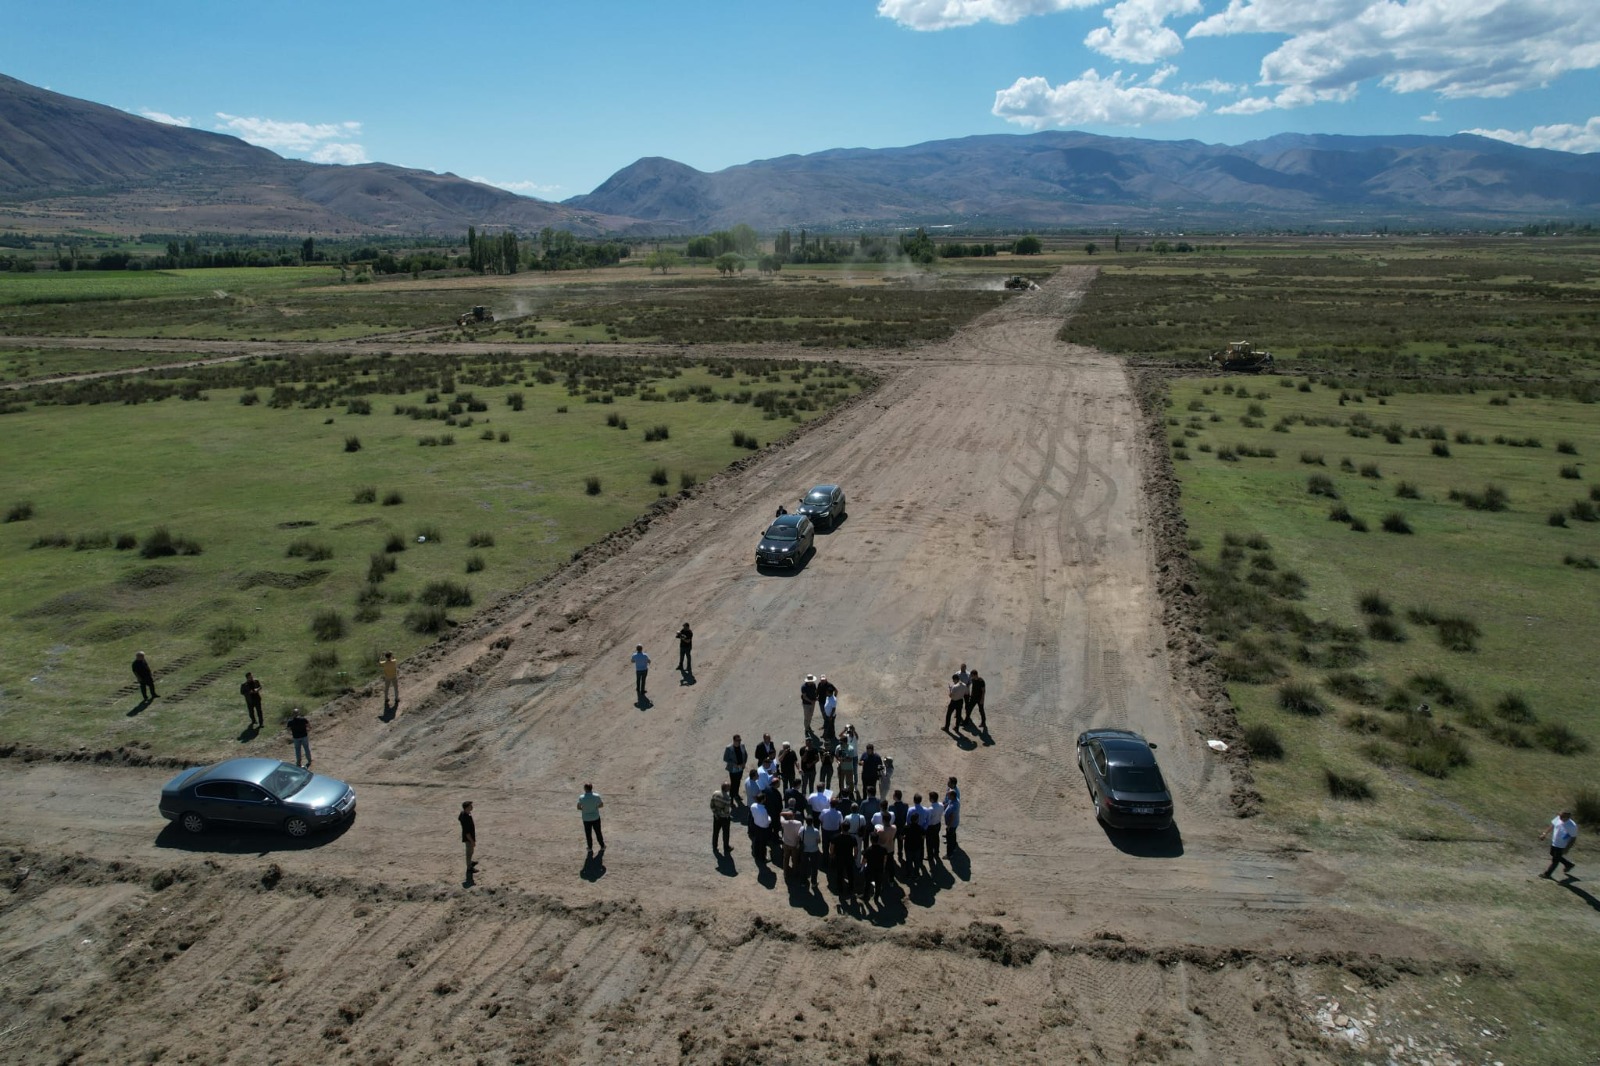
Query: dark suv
x=824, y=505
x=1124, y=780
x=786, y=541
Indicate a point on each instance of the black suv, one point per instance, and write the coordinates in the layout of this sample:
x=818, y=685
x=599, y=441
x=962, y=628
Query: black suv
x=1124, y=780
x=786, y=541
x=824, y=505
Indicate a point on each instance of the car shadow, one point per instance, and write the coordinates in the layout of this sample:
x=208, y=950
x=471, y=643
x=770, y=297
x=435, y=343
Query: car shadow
x=828, y=530
x=245, y=840
x=1145, y=844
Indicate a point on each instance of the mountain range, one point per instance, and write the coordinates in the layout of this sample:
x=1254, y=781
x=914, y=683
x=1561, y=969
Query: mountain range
x=66, y=163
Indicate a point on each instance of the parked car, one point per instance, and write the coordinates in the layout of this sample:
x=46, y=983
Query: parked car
x=786, y=541
x=263, y=792
x=824, y=505
x=1124, y=779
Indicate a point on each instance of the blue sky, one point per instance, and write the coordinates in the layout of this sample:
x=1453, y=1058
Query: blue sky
x=551, y=97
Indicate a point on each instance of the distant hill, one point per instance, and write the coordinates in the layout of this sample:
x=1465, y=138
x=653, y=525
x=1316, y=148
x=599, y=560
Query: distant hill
x=1064, y=178
x=70, y=162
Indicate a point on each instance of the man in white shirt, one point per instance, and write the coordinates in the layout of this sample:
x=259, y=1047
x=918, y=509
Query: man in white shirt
x=641, y=669
x=1563, y=833
x=933, y=818
x=819, y=800
x=760, y=826
x=958, y=701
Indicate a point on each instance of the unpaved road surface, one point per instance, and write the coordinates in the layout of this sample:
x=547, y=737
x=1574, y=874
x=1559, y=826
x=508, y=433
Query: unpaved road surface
x=996, y=517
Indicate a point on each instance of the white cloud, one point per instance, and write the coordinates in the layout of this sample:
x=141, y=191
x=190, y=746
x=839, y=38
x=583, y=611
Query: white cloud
x=321, y=142
x=522, y=188
x=1213, y=86
x=164, y=118
x=949, y=14
x=1090, y=100
x=1431, y=116
x=1455, y=48
x=1138, y=32
x=1250, y=105
x=1562, y=137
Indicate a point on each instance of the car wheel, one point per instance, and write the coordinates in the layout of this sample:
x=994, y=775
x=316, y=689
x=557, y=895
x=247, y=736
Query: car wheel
x=297, y=827
x=192, y=822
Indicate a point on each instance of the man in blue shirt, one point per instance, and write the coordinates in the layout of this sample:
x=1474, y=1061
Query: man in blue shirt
x=641, y=668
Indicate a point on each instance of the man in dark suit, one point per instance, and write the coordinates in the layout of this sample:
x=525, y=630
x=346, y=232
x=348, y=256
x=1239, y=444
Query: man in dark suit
x=735, y=757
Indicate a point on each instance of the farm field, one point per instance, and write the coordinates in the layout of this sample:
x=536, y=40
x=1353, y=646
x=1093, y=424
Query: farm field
x=479, y=485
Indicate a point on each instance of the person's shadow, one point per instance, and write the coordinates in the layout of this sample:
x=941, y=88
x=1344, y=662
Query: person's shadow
x=472, y=878
x=966, y=743
x=594, y=867
x=644, y=703
x=960, y=864
x=805, y=896
x=139, y=708
x=249, y=733
x=984, y=735
x=685, y=677
x=1570, y=884
x=390, y=712
x=725, y=865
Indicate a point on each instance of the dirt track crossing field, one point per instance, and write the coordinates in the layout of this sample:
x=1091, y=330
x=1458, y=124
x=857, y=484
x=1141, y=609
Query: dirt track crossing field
x=996, y=517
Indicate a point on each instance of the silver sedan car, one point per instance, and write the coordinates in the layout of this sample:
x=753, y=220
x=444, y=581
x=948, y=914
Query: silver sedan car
x=264, y=792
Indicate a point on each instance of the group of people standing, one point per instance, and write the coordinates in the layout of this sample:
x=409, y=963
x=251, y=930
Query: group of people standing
x=966, y=696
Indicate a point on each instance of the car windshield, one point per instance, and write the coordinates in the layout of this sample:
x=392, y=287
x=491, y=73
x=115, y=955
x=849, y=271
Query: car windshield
x=1137, y=779
x=818, y=497
x=779, y=531
x=286, y=780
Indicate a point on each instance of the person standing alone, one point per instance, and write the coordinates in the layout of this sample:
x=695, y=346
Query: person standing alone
x=251, y=691
x=391, y=678
x=589, y=804
x=300, y=730
x=641, y=669
x=147, y=679
x=686, y=650
x=469, y=835
x=1563, y=833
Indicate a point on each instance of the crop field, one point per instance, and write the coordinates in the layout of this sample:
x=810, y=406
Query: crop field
x=828, y=309
x=1456, y=311
x=299, y=517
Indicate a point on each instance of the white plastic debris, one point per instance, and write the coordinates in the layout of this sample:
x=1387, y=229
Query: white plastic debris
x=1216, y=745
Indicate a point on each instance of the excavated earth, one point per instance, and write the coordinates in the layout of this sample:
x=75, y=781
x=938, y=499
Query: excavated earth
x=1009, y=508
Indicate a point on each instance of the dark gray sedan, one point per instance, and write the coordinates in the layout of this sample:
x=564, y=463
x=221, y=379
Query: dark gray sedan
x=263, y=792
x=786, y=541
x=1124, y=780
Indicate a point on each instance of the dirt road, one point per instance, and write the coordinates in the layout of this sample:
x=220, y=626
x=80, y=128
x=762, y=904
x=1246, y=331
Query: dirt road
x=996, y=518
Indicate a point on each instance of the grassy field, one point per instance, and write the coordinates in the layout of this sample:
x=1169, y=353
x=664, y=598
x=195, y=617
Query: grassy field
x=83, y=286
x=491, y=462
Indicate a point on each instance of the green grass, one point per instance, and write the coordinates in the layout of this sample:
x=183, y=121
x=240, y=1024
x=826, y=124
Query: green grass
x=249, y=483
x=77, y=286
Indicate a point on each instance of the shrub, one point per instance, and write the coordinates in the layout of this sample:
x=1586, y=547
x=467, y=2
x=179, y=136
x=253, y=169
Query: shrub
x=1422, y=616
x=1407, y=491
x=1566, y=447
x=591, y=485
x=1300, y=698
x=1321, y=485
x=1370, y=470
x=487, y=434
x=429, y=534
x=1367, y=691
x=1257, y=542
x=1437, y=753
x=367, y=613
x=358, y=406
x=1373, y=603
x=1358, y=525
x=740, y=437
x=20, y=511
x=309, y=550
x=327, y=626
x=1513, y=707
x=505, y=437
x=365, y=494
x=1227, y=455
x=1347, y=786
x=1441, y=449
x=1492, y=498
x=249, y=398
x=224, y=638
x=1583, y=511
x=380, y=566
x=561, y=410
x=427, y=620
x=658, y=476
x=1557, y=518
x=483, y=539
x=369, y=594
x=393, y=499
x=1586, y=806
x=91, y=542
x=1559, y=739
x=1364, y=722
x=1571, y=473
x=514, y=400
x=1386, y=629
x=1457, y=633
x=321, y=676
x=126, y=542
x=1339, y=513
x=1250, y=664
x=445, y=594
x=394, y=543
x=162, y=543
x=686, y=481
x=352, y=444
x=614, y=420
x=657, y=433
x=1440, y=691
x=474, y=563
x=1395, y=522
x=1582, y=562
x=1347, y=466
x=1263, y=742
x=1312, y=459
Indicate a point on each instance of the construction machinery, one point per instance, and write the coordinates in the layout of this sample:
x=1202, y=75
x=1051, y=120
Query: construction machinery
x=1017, y=281
x=477, y=314
x=1241, y=357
